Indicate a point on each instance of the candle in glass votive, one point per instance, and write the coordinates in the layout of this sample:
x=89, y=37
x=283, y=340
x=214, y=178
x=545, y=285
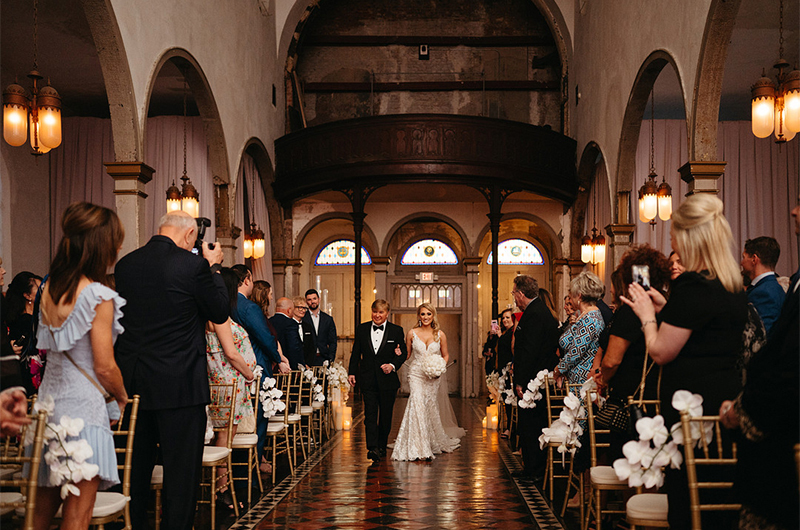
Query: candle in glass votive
x=347, y=418
x=338, y=417
x=484, y=422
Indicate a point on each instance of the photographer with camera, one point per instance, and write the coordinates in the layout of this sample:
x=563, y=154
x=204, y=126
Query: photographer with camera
x=171, y=293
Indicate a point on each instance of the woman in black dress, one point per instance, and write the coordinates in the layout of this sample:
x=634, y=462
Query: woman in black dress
x=19, y=318
x=499, y=353
x=699, y=336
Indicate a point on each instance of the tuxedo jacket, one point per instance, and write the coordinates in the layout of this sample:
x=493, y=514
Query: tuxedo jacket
x=767, y=297
x=171, y=294
x=325, y=340
x=309, y=345
x=288, y=336
x=535, y=342
x=365, y=364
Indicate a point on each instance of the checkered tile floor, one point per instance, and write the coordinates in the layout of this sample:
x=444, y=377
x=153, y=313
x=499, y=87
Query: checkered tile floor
x=339, y=488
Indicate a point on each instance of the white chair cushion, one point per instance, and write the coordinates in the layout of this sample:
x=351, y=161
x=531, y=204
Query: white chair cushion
x=244, y=440
x=605, y=475
x=212, y=453
x=317, y=405
x=293, y=418
x=305, y=410
x=7, y=497
x=105, y=504
x=158, y=475
x=276, y=427
x=278, y=418
x=651, y=506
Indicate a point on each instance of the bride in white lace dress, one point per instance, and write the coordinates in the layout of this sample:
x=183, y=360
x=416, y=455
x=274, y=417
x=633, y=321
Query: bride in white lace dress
x=422, y=434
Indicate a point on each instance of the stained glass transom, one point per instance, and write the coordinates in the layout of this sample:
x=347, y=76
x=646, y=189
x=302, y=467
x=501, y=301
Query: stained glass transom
x=408, y=296
x=517, y=252
x=429, y=252
x=341, y=252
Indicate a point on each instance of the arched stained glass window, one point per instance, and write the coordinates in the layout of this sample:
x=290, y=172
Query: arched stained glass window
x=341, y=252
x=429, y=252
x=517, y=252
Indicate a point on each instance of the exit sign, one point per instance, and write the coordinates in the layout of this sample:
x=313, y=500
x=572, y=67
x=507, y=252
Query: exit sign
x=425, y=277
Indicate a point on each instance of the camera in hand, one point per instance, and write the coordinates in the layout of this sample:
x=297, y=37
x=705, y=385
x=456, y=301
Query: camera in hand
x=202, y=224
x=641, y=275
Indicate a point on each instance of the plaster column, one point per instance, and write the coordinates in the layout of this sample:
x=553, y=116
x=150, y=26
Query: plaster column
x=279, y=267
x=472, y=367
x=620, y=237
x=564, y=270
x=129, y=185
x=227, y=237
x=381, y=267
x=297, y=268
x=702, y=177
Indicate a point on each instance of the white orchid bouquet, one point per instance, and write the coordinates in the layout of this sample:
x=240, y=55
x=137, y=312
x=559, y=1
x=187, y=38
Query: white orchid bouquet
x=493, y=383
x=337, y=379
x=433, y=366
x=566, y=430
x=317, y=392
x=657, y=447
x=257, y=371
x=507, y=394
x=270, y=397
x=533, y=392
x=66, y=454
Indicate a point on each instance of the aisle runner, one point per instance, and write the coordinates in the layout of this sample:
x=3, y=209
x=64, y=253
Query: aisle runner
x=256, y=514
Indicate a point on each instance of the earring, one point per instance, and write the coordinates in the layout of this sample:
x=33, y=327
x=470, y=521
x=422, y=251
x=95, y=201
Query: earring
x=419, y=323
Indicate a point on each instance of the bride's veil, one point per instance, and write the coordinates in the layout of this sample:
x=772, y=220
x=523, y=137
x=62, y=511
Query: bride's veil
x=448, y=417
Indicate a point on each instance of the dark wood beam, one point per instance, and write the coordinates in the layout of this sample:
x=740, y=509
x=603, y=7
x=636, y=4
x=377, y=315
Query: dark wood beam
x=513, y=41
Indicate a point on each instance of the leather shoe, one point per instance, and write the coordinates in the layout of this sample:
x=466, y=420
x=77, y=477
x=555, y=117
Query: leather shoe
x=374, y=454
x=382, y=451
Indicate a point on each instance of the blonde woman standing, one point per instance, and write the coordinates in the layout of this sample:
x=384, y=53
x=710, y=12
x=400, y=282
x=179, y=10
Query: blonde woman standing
x=422, y=434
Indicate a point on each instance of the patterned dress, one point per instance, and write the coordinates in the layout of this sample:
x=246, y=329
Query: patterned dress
x=221, y=372
x=579, y=345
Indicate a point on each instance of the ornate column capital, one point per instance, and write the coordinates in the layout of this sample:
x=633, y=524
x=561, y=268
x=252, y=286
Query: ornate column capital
x=130, y=179
x=702, y=176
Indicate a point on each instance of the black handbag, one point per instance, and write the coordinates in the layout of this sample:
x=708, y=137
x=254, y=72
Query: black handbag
x=613, y=416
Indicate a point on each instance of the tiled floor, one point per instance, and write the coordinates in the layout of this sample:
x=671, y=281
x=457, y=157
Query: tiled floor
x=469, y=488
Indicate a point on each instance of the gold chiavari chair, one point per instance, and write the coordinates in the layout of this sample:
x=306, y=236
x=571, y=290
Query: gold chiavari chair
x=248, y=441
x=278, y=427
x=16, y=491
x=714, y=454
x=318, y=416
x=601, y=478
x=574, y=479
x=554, y=400
x=307, y=412
x=647, y=509
x=221, y=412
x=294, y=417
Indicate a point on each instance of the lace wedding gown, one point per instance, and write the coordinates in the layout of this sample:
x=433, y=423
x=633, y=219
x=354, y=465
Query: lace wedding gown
x=422, y=434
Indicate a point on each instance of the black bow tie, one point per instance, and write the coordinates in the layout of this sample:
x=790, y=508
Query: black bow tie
x=377, y=328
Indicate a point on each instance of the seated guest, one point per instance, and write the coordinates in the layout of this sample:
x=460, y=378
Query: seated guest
x=759, y=258
x=288, y=332
x=699, y=337
x=230, y=360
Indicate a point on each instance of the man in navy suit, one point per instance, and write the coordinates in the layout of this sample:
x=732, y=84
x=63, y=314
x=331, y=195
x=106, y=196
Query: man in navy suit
x=379, y=349
x=324, y=329
x=288, y=332
x=171, y=294
x=759, y=258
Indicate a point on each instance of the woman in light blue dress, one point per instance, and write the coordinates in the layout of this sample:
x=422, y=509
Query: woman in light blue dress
x=79, y=316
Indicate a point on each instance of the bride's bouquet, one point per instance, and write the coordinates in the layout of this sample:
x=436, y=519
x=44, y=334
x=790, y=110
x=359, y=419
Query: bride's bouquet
x=433, y=366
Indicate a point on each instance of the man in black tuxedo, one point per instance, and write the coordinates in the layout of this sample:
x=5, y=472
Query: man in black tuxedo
x=379, y=349
x=535, y=341
x=288, y=332
x=171, y=294
x=324, y=330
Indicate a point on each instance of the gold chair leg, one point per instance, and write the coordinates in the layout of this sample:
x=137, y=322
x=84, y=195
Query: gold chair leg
x=213, y=496
x=158, y=509
x=274, y=454
x=232, y=487
x=255, y=467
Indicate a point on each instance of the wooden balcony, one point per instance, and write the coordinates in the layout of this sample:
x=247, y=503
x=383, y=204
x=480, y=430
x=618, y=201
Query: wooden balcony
x=418, y=148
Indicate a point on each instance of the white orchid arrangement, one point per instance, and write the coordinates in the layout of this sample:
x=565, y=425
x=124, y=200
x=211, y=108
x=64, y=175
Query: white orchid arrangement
x=433, y=366
x=257, y=371
x=337, y=379
x=507, y=393
x=66, y=458
x=567, y=429
x=317, y=391
x=533, y=392
x=657, y=447
x=270, y=397
x=493, y=383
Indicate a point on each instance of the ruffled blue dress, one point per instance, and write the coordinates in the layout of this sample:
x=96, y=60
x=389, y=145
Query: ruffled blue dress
x=73, y=394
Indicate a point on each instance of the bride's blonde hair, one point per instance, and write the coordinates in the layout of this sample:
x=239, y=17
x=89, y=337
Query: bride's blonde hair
x=434, y=322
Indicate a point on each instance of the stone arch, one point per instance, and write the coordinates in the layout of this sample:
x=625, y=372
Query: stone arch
x=553, y=241
x=558, y=27
x=128, y=144
x=592, y=165
x=278, y=237
x=632, y=121
x=708, y=81
x=368, y=236
x=390, y=234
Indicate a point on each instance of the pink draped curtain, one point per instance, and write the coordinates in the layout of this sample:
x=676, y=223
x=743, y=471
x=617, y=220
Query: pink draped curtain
x=248, y=172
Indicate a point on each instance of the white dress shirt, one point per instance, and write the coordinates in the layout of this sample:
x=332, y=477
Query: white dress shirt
x=377, y=336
